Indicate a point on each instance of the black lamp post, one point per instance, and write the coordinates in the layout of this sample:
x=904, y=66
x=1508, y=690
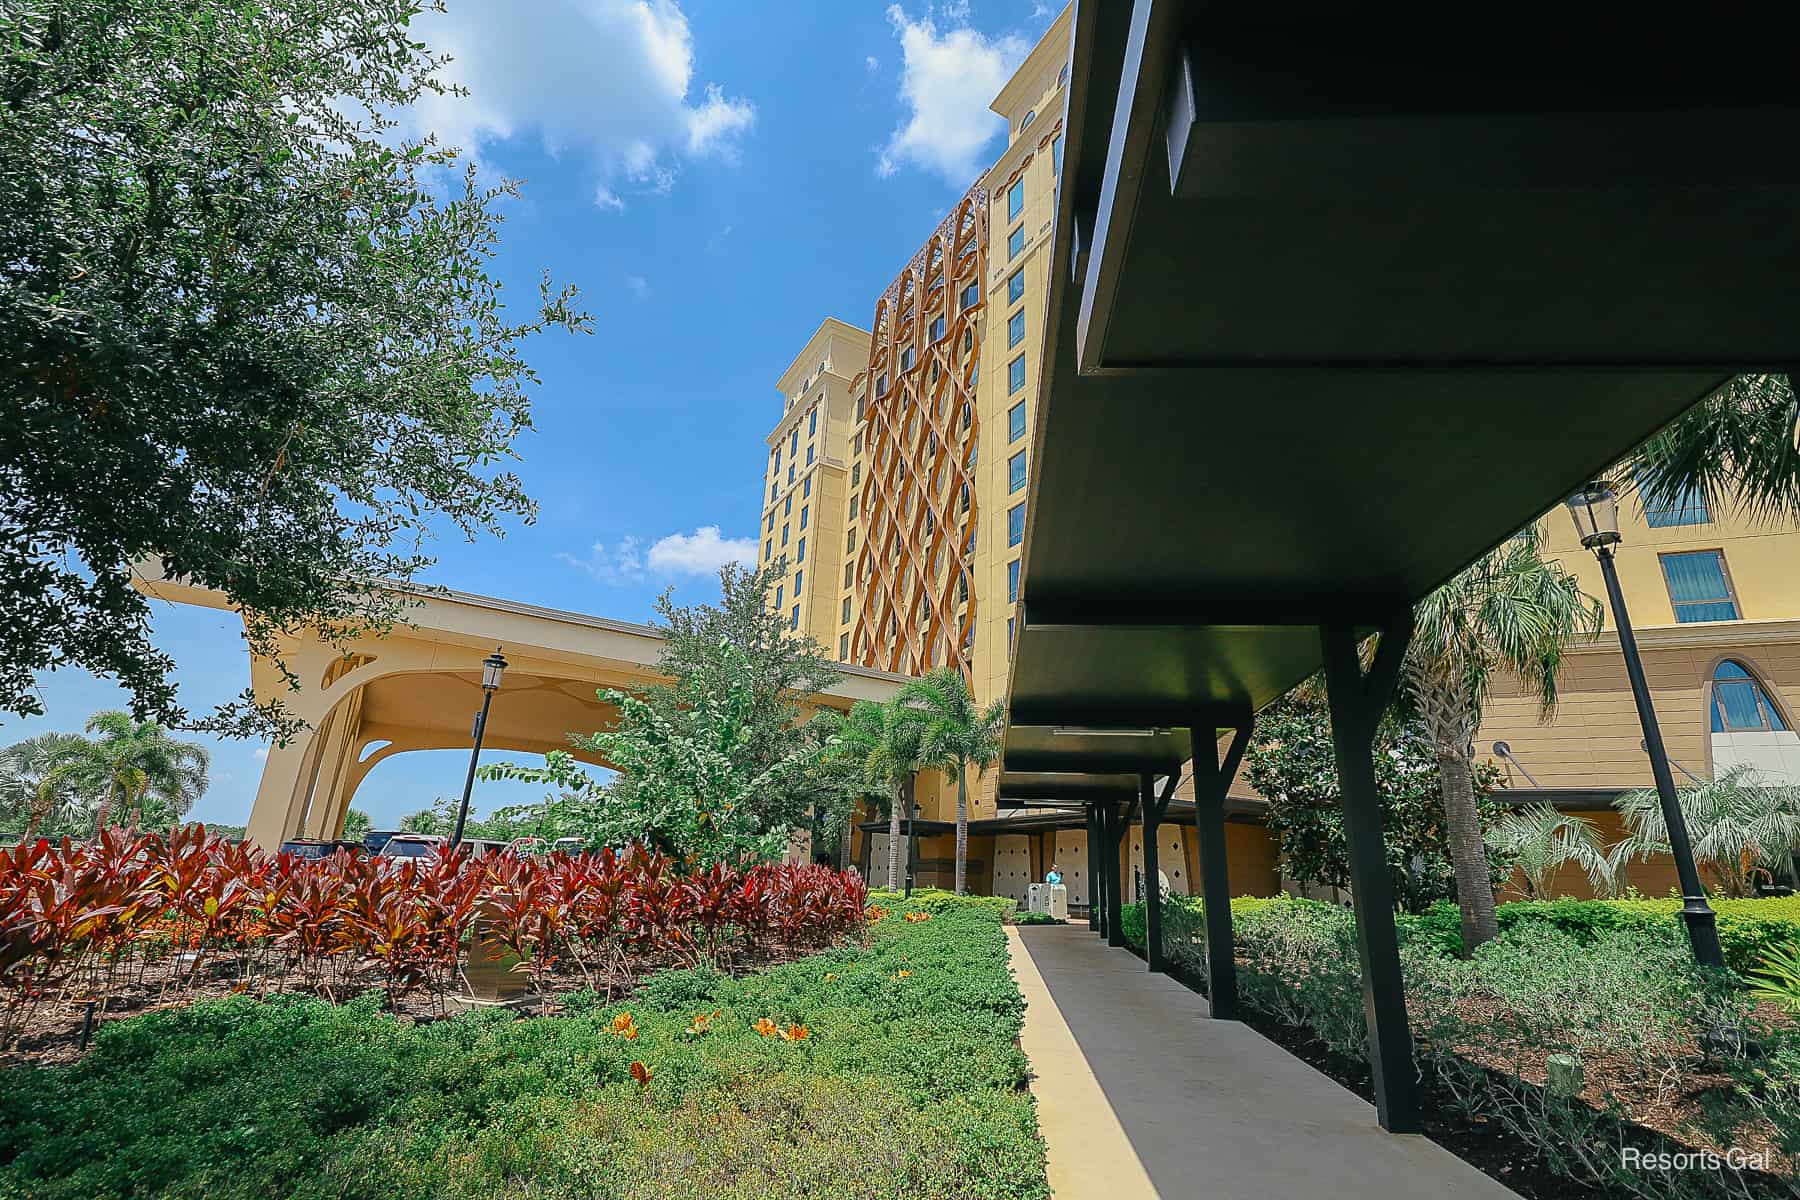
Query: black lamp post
x=1595, y=508
x=492, y=668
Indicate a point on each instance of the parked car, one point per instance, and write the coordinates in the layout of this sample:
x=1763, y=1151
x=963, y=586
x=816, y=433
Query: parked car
x=314, y=849
x=413, y=845
x=482, y=847
x=568, y=845
x=375, y=839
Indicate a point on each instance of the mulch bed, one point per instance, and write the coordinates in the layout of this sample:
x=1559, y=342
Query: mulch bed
x=1489, y=1145
x=54, y=1037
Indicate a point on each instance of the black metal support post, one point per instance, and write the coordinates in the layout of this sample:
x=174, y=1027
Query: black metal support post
x=1357, y=701
x=462, y=810
x=1093, y=857
x=1212, y=779
x=1154, y=806
x=1696, y=913
x=1115, y=879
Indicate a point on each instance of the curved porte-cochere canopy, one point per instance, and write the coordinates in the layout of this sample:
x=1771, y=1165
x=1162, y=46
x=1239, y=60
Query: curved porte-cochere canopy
x=418, y=688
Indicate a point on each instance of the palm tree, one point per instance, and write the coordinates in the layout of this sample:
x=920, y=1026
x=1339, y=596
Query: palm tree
x=1538, y=840
x=23, y=768
x=1741, y=827
x=885, y=739
x=1738, y=448
x=127, y=762
x=1514, y=610
x=958, y=735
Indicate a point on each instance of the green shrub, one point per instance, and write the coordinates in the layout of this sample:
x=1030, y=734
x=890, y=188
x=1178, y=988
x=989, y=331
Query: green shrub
x=1748, y=929
x=934, y=900
x=1036, y=918
x=906, y=1085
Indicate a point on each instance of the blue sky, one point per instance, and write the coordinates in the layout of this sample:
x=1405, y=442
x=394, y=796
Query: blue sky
x=716, y=178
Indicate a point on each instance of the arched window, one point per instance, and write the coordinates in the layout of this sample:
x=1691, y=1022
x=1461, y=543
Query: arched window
x=1029, y=118
x=1739, y=703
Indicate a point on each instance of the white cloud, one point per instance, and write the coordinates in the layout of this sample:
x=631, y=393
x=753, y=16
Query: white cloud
x=701, y=552
x=620, y=564
x=947, y=81
x=262, y=752
x=872, y=63
x=611, y=79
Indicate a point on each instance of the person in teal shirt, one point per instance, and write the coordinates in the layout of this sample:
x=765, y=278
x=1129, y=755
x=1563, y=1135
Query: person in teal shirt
x=1054, y=877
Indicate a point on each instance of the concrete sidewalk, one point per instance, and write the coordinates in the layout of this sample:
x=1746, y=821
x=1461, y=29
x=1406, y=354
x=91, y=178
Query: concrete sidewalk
x=1141, y=1094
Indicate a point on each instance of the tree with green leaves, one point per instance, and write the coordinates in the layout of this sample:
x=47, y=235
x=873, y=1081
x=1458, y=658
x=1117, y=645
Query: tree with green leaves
x=1292, y=764
x=356, y=825
x=1511, y=610
x=958, y=735
x=886, y=742
x=1743, y=828
x=26, y=804
x=252, y=337
x=126, y=766
x=1737, y=449
x=1537, y=839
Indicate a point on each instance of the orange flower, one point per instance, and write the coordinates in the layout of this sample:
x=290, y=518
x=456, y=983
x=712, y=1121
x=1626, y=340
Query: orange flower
x=913, y=918
x=795, y=1033
x=641, y=1073
x=876, y=912
x=703, y=1023
x=902, y=974
x=623, y=1026
x=767, y=1027
x=830, y=975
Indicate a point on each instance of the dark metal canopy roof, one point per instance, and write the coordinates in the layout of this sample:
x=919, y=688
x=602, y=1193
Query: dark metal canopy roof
x=1340, y=299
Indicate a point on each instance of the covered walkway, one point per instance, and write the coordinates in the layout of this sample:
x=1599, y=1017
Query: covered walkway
x=1141, y=1094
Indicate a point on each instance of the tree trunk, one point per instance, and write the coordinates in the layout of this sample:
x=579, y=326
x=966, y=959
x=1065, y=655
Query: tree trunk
x=893, y=879
x=962, y=828
x=1468, y=853
x=106, y=802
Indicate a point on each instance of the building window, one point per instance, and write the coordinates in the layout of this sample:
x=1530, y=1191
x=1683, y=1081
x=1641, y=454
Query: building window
x=1056, y=156
x=855, y=474
x=1699, y=588
x=856, y=445
x=1015, y=198
x=804, y=510
x=794, y=442
x=800, y=551
x=1010, y=622
x=771, y=528
x=799, y=581
x=790, y=474
x=1015, y=374
x=1012, y=581
x=1015, y=243
x=1015, y=329
x=788, y=506
x=809, y=456
x=775, y=489
x=855, y=503
x=849, y=573
x=846, y=617
x=1739, y=703
x=1015, y=422
x=1015, y=472
x=768, y=549
x=1689, y=508
x=938, y=327
x=881, y=385
x=784, y=534
x=843, y=647
x=812, y=421
x=970, y=295
x=779, y=593
x=1029, y=118
x=1015, y=528
x=907, y=358
x=794, y=621
x=1015, y=287
x=806, y=487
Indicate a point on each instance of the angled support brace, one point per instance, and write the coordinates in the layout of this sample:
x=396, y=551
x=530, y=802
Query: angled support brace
x=1154, y=806
x=1212, y=779
x=1357, y=699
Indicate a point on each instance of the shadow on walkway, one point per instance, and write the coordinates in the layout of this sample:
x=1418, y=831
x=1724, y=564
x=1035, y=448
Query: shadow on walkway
x=1142, y=1094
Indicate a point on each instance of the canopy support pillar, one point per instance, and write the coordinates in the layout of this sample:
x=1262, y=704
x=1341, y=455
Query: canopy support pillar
x=1113, y=837
x=1212, y=779
x=1094, y=878
x=1357, y=701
